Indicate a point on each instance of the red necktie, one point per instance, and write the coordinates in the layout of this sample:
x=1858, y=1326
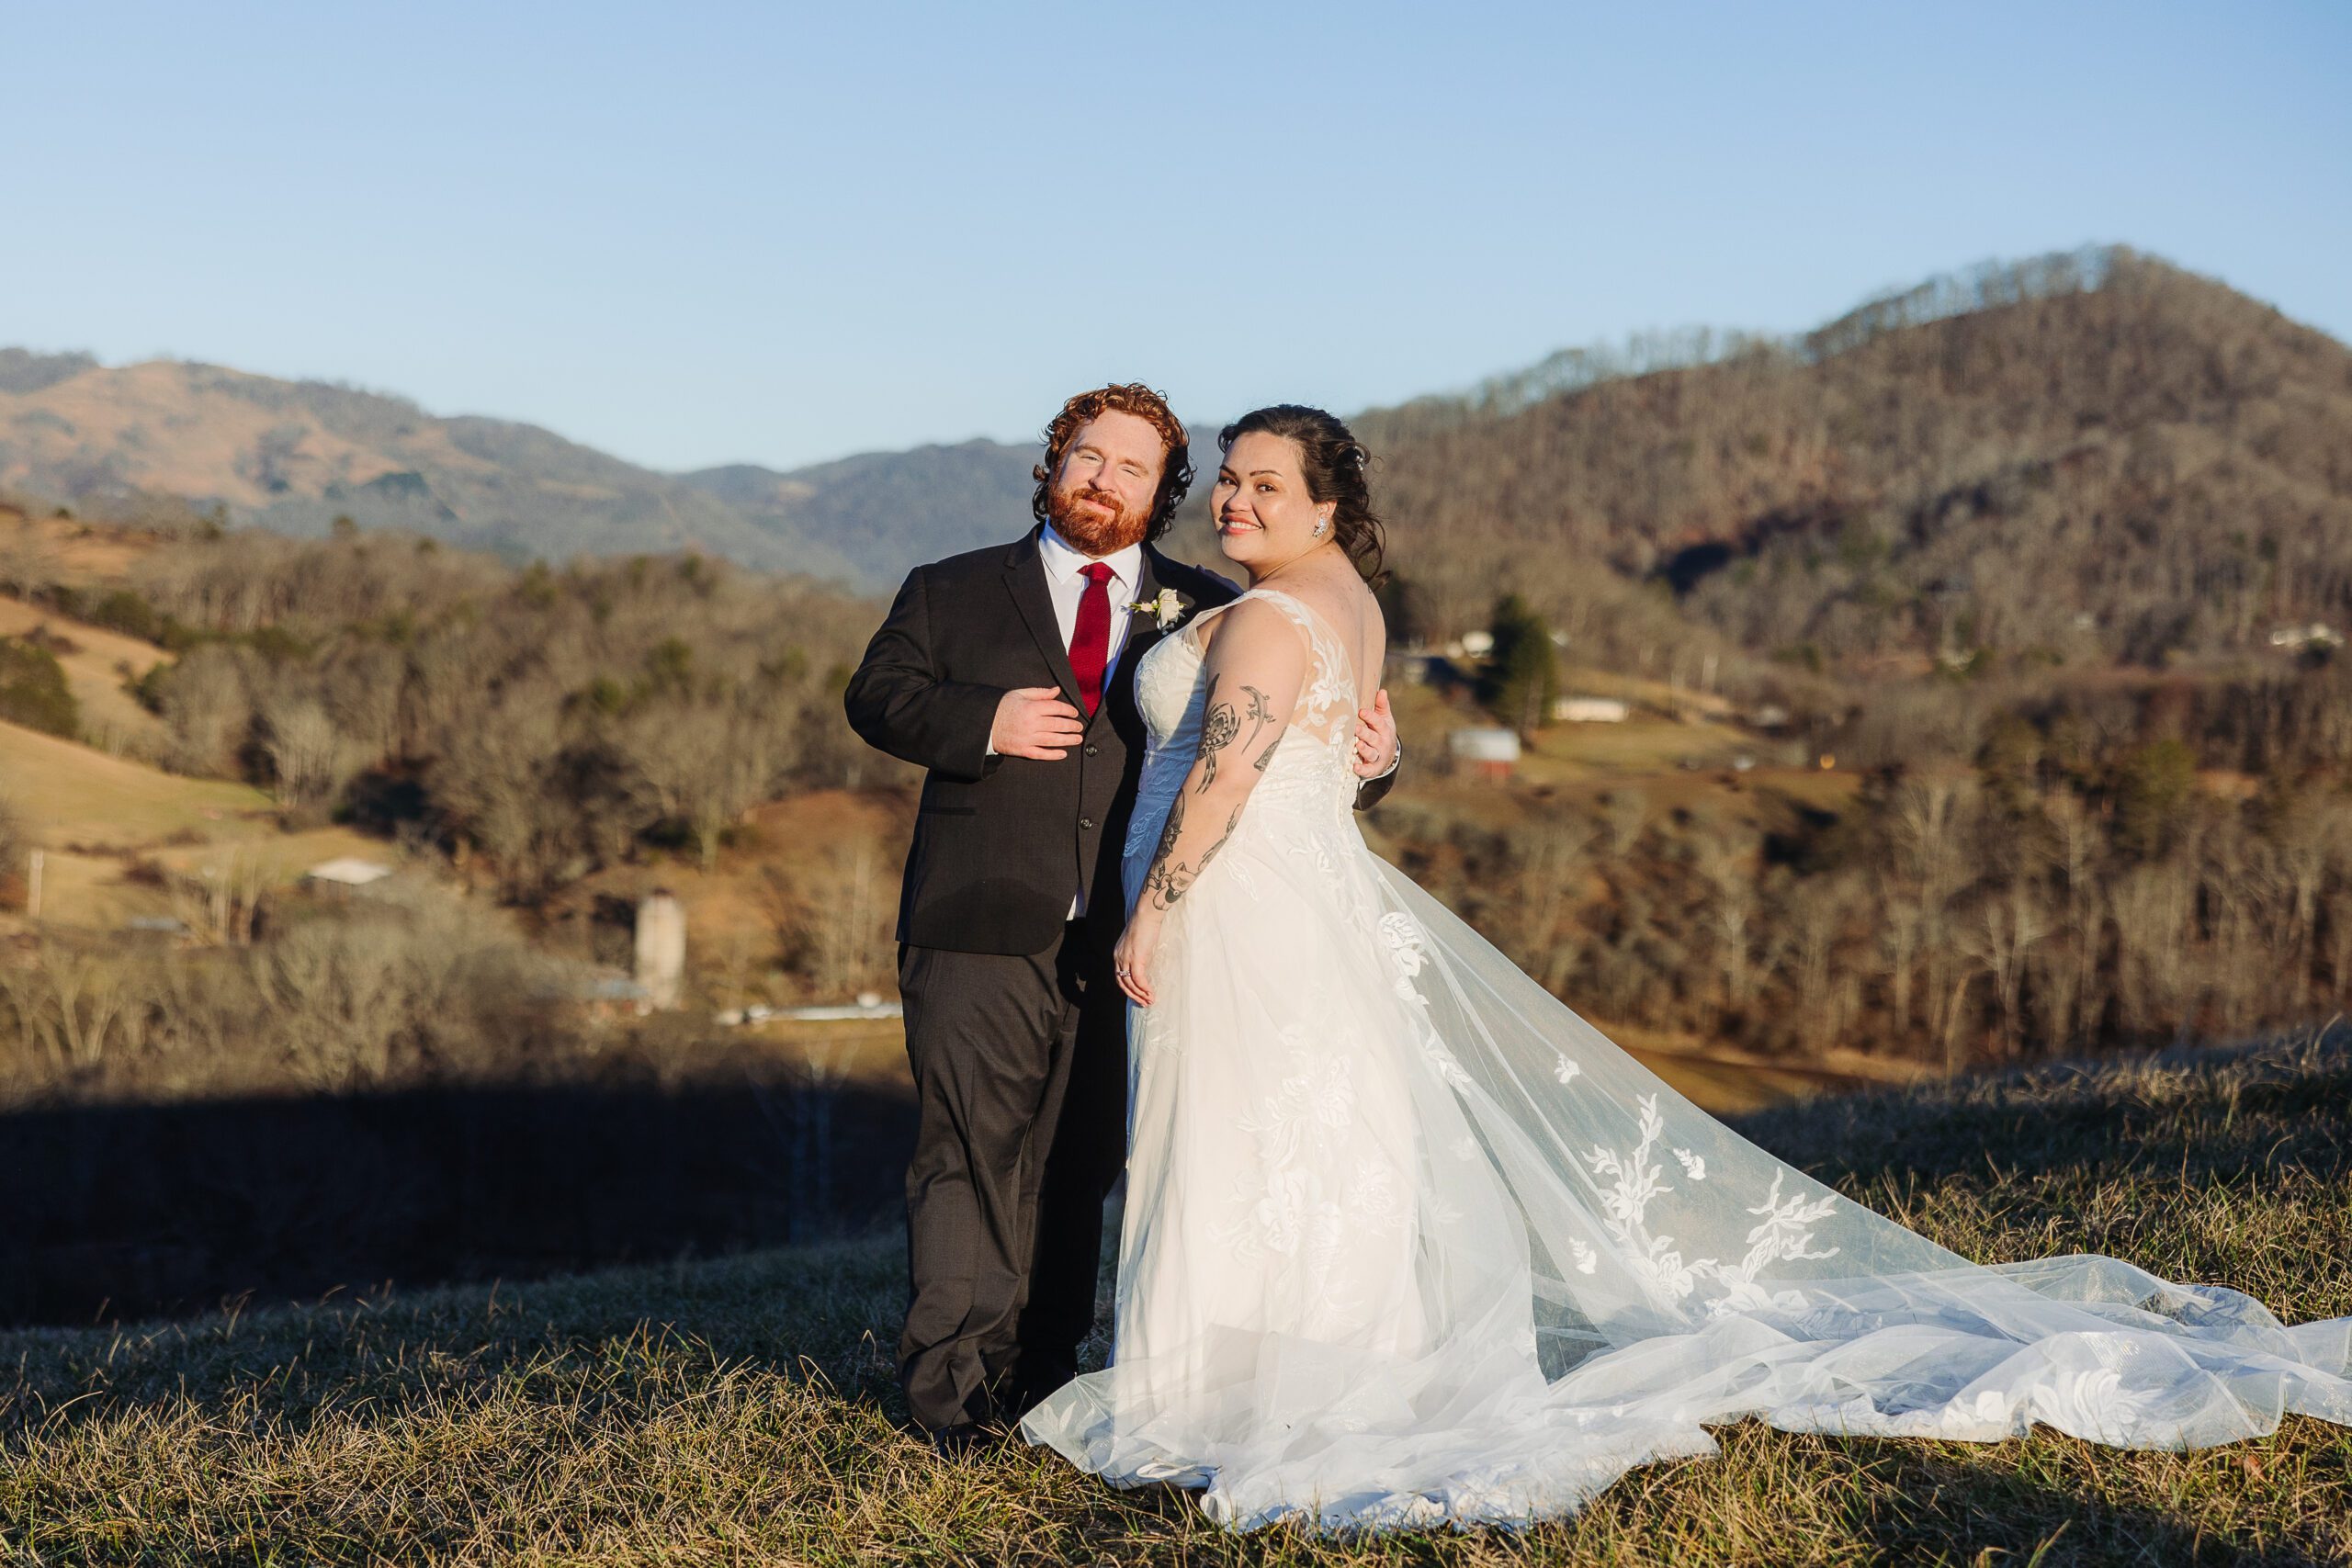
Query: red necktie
x=1090, y=644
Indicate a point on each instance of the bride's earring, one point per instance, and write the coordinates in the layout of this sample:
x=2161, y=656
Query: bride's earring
x=1320, y=524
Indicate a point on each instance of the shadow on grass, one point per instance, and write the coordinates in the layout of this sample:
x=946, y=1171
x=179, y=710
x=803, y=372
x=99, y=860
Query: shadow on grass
x=118, y=1213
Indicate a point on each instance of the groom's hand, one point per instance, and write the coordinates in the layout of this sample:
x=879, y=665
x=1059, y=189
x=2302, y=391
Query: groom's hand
x=1035, y=722
x=1375, y=738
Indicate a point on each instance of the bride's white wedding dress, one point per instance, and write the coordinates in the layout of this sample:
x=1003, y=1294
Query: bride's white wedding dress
x=1408, y=1241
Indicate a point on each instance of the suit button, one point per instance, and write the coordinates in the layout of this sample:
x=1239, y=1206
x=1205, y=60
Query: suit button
x=1092, y=749
x=1086, y=821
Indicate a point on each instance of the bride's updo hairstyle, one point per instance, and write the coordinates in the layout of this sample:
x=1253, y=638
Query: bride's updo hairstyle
x=1337, y=469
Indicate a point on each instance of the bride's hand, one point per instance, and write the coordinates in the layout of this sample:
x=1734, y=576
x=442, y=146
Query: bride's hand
x=1131, y=959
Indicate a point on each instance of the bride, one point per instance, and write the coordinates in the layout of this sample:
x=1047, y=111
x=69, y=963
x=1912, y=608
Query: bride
x=1408, y=1241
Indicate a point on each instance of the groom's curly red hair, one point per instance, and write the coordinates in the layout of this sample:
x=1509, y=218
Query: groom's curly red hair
x=1124, y=396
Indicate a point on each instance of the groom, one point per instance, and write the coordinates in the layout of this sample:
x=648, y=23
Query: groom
x=1009, y=673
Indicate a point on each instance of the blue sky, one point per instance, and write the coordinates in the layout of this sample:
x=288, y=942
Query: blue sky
x=691, y=234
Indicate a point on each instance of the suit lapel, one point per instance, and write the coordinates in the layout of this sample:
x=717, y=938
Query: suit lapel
x=1145, y=631
x=1143, y=626
x=1025, y=579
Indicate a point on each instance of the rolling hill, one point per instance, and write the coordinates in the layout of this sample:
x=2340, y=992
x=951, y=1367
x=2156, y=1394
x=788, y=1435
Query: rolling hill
x=2081, y=460
x=293, y=456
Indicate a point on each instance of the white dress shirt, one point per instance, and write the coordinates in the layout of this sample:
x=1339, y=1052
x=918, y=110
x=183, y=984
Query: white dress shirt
x=1064, y=563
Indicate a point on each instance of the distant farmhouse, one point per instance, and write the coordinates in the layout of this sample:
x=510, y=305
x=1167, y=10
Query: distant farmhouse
x=1590, y=710
x=346, y=875
x=1491, y=753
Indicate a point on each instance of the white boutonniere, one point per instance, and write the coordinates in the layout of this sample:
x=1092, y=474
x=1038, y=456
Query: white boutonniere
x=1166, y=610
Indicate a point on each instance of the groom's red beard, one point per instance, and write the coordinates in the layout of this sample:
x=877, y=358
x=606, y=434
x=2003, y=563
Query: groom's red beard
x=1096, y=533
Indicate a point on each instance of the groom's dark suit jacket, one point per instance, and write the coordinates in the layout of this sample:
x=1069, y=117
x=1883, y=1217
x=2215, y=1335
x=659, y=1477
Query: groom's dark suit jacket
x=1001, y=842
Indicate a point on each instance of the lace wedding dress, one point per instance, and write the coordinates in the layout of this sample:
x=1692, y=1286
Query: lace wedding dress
x=1408, y=1241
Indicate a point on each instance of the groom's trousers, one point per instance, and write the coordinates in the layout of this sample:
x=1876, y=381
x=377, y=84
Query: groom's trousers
x=1019, y=1071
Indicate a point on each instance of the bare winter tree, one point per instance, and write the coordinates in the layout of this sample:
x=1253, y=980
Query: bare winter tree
x=209, y=705
x=29, y=563
x=1817, y=913
x=704, y=762
x=1530, y=921
x=834, y=911
x=310, y=757
x=503, y=779
x=1927, y=823
x=1725, y=863
x=2000, y=939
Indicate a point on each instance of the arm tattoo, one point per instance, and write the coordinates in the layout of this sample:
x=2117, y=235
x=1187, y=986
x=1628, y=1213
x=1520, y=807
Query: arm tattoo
x=1219, y=727
x=1156, y=879
x=1165, y=884
x=1169, y=879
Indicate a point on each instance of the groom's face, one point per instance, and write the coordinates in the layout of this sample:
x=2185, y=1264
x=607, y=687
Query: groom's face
x=1108, y=480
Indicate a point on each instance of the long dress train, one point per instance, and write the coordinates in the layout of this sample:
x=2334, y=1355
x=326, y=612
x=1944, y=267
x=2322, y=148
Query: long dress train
x=1407, y=1241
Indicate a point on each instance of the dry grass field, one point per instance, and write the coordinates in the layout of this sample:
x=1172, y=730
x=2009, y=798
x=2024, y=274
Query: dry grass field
x=99, y=816
x=741, y=1411
x=96, y=668
x=72, y=795
x=81, y=552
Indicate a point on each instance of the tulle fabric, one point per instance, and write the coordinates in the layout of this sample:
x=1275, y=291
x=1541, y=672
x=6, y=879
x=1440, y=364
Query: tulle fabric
x=1407, y=1242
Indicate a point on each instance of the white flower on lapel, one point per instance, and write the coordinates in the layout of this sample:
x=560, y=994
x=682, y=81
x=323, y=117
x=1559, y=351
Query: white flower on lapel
x=1166, y=610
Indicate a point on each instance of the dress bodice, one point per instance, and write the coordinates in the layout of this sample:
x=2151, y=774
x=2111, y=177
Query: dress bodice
x=1308, y=775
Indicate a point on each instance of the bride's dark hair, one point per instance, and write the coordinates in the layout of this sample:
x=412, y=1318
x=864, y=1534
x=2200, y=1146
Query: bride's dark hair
x=1337, y=469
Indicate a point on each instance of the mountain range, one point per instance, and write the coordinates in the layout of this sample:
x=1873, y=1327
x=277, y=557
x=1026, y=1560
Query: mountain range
x=2090, y=452
x=293, y=456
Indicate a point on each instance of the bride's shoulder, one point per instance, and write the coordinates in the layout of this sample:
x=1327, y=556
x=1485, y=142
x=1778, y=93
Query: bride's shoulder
x=1344, y=606
x=1256, y=618
x=1347, y=613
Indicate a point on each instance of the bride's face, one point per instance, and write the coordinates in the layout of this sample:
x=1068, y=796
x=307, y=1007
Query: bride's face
x=1264, y=516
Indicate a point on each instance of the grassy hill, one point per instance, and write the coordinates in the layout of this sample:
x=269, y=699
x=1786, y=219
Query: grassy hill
x=97, y=664
x=742, y=1410
x=106, y=818
x=100, y=819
